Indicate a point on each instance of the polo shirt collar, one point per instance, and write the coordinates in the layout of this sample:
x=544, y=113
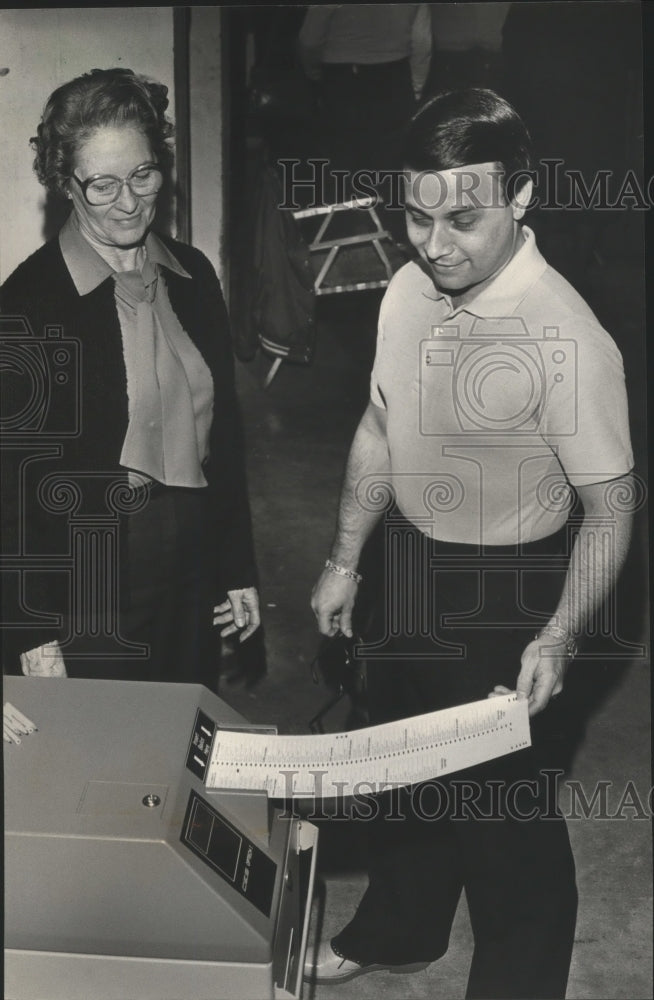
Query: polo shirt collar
x=87, y=268
x=503, y=296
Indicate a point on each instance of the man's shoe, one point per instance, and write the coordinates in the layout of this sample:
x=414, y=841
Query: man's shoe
x=328, y=967
x=325, y=966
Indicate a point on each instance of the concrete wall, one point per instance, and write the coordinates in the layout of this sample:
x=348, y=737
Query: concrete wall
x=41, y=50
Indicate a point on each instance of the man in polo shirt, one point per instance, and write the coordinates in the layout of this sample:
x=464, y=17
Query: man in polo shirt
x=496, y=439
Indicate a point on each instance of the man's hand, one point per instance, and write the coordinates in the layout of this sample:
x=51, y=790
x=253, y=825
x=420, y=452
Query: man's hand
x=44, y=661
x=592, y=573
x=239, y=611
x=543, y=666
x=332, y=602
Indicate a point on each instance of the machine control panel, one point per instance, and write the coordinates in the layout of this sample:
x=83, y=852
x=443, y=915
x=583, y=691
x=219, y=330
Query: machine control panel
x=199, y=749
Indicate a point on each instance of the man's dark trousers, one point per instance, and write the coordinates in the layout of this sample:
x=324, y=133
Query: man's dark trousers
x=493, y=829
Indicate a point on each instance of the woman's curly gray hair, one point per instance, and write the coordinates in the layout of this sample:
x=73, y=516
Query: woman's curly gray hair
x=102, y=97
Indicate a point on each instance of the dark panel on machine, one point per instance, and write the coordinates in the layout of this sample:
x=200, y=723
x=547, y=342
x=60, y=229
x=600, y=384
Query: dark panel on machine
x=231, y=855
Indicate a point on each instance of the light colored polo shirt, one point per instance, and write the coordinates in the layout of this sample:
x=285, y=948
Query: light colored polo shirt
x=497, y=408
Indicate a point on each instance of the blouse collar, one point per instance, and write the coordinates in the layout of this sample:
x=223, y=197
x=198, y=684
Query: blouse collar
x=88, y=269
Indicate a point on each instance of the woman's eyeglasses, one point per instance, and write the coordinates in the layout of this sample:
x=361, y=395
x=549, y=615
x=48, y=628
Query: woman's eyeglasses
x=104, y=189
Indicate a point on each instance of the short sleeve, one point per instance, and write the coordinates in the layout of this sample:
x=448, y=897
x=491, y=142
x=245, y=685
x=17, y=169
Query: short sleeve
x=587, y=419
x=376, y=396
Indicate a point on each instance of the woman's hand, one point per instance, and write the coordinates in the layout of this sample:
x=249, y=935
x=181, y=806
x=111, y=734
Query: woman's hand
x=239, y=611
x=44, y=661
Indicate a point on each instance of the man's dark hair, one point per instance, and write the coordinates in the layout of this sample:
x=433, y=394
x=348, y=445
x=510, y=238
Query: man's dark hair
x=462, y=127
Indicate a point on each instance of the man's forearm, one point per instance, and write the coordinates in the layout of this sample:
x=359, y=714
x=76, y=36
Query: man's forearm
x=597, y=557
x=356, y=519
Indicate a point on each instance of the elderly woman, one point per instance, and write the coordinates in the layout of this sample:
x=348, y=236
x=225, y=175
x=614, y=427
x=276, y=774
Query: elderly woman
x=136, y=511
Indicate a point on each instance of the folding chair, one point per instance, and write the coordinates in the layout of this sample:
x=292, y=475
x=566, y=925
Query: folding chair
x=350, y=251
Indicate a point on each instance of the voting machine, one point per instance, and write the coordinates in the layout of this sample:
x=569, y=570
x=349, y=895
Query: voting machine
x=125, y=877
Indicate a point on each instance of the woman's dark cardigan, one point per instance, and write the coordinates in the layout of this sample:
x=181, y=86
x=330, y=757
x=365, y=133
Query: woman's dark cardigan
x=84, y=439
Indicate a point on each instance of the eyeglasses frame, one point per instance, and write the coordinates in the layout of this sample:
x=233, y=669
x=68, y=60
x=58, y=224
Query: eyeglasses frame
x=122, y=181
